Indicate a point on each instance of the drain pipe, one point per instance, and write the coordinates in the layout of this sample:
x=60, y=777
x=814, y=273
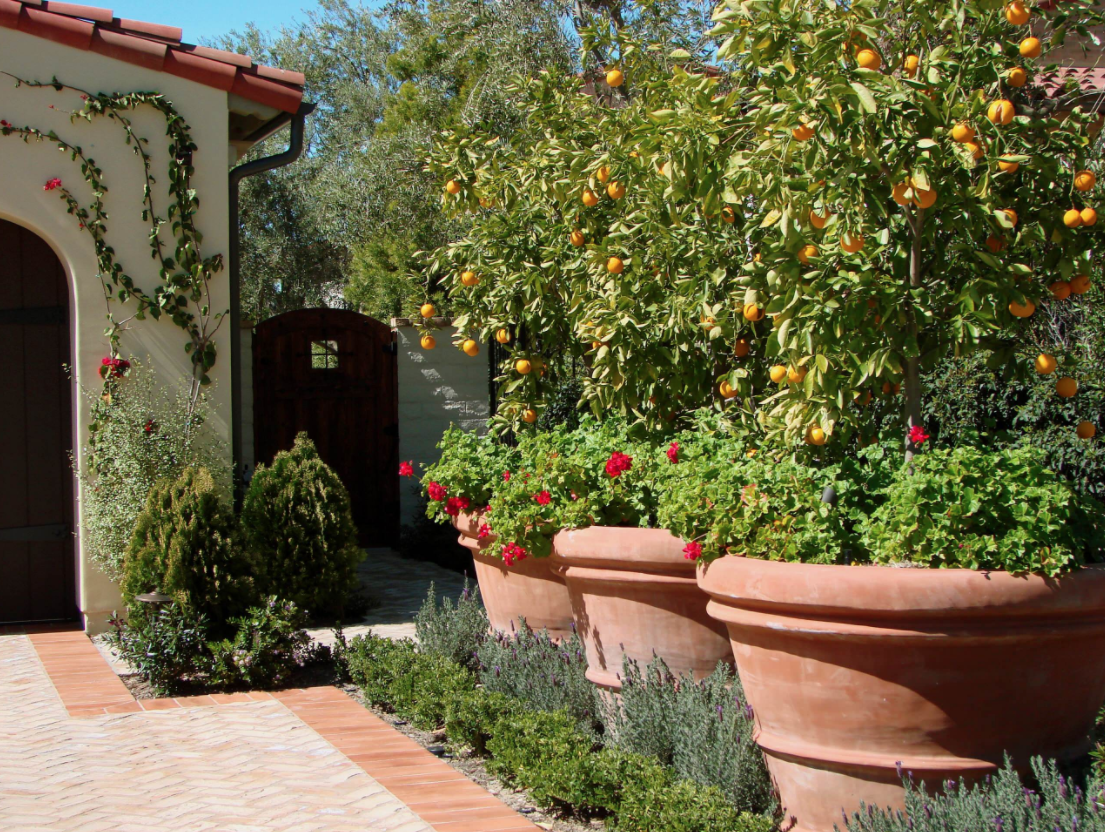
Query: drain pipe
x=295, y=148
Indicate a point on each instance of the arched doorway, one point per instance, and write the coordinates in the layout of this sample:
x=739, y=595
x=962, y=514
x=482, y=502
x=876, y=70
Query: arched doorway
x=37, y=560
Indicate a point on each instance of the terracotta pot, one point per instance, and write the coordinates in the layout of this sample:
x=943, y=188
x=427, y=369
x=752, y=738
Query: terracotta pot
x=531, y=588
x=634, y=594
x=853, y=670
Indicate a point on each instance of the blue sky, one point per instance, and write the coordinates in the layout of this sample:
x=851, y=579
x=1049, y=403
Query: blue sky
x=208, y=19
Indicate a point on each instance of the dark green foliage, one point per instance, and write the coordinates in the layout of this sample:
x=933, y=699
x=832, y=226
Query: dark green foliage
x=1001, y=804
x=183, y=546
x=166, y=647
x=452, y=631
x=298, y=531
x=472, y=716
x=269, y=643
x=662, y=802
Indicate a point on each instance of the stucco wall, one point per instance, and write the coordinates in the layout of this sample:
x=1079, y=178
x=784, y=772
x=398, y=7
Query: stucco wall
x=25, y=168
x=437, y=388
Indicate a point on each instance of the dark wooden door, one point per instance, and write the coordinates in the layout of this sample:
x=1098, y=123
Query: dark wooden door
x=37, y=556
x=332, y=373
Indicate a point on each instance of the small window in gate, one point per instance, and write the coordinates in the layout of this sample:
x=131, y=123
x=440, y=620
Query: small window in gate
x=324, y=355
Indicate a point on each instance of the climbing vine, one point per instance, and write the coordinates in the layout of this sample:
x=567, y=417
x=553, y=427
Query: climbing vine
x=183, y=293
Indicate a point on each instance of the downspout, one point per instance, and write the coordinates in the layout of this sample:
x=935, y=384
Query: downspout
x=295, y=148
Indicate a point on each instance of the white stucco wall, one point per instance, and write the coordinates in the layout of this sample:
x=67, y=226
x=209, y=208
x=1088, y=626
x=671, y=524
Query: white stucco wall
x=437, y=388
x=25, y=168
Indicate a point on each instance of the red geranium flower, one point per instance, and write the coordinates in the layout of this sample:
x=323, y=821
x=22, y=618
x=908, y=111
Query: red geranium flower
x=51, y=184
x=456, y=505
x=484, y=532
x=693, y=550
x=618, y=464
x=543, y=498
x=673, y=452
x=437, y=491
x=506, y=476
x=406, y=469
x=115, y=367
x=512, y=553
x=917, y=435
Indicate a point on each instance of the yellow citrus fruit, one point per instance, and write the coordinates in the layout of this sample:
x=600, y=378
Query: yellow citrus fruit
x=469, y=278
x=1008, y=167
x=470, y=347
x=963, y=132
x=428, y=342
x=1022, y=310
x=995, y=244
x=851, y=243
x=1072, y=218
x=753, y=312
x=726, y=390
x=796, y=375
x=806, y=252
x=1017, y=77
x=729, y=215
x=452, y=187
x=1016, y=13
x=602, y=174
x=1060, y=290
x=615, y=190
x=523, y=367
x=910, y=65
x=427, y=310
x=923, y=198
x=1084, y=180
x=1001, y=111
x=802, y=132
x=615, y=77
x=741, y=348
x=1089, y=216
x=589, y=198
x=529, y=416
x=1080, y=284
x=816, y=436
x=868, y=59
x=576, y=237
x=1011, y=215
x=819, y=220
x=974, y=148
x=778, y=373
x=615, y=265
x=1046, y=364
x=1086, y=430
x=899, y=193
x=503, y=336
x=1031, y=48
x=1066, y=387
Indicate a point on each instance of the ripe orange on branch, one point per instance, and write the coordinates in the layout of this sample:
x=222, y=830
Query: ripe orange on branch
x=615, y=190
x=816, y=435
x=819, y=220
x=615, y=77
x=1080, y=284
x=728, y=214
x=1086, y=430
x=427, y=310
x=1008, y=167
x=470, y=347
x=1045, y=364
x=1066, y=387
x=753, y=312
x=1060, y=290
x=1089, y=216
x=1030, y=48
x=452, y=187
x=428, y=342
x=1084, y=180
x=615, y=265
x=963, y=132
x=469, y=278
x=529, y=416
x=806, y=252
x=802, y=132
x=778, y=373
x=577, y=239
x=726, y=389
x=1016, y=13
x=1001, y=111
x=910, y=65
x=741, y=348
x=503, y=336
x=851, y=243
x=869, y=59
x=589, y=198
x=523, y=367
x=1022, y=310
x=602, y=174
x=1017, y=77
x=1073, y=218
x=796, y=375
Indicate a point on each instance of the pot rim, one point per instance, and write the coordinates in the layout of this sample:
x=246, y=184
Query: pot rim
x=630, y=548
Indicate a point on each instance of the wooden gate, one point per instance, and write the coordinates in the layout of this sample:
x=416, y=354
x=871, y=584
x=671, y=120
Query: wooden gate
x=332, y=373
x=37, y=559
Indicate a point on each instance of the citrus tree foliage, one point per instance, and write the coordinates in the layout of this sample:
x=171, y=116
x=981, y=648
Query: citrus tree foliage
x=866, y=189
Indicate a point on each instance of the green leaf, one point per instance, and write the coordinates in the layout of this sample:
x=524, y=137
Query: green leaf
x=866, y=99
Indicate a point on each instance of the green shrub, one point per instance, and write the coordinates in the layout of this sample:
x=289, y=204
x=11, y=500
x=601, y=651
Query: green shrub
x=1000, y=804
x=269, y=643
x=652, y=803
x=166, y=647
x=183, y=546
x=452, y=631
x=298, y=531
x=470, y=719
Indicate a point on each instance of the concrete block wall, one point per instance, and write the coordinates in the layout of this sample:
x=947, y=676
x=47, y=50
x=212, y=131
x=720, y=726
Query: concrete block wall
x=437, y=388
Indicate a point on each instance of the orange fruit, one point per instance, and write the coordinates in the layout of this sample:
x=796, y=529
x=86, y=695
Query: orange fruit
x=910, y=65
x=899, y=193
x=577, y=238
x=726, y=389
x=851, y=243
x=529, y=416
x=469, y=278
x=962, y=132
x=1072, y=218
x=887, y=388
x=1046, y=364
x=974, y=148
x=602, y=174
x=1008, y=167
x=523, y=367
x=806, y=252
x=819, y=220
x=1011, y=215
x=503, y=336
x=427, y=310
x=1030, y=48
x=615, y=265
x=815, y=435
x=1066, y=387
x=741, y=348
x=589, y=198
x=778, y=373
x=802, y=132
x=728, y=214
x=1084, y=180
x=1060, y=290
x=1022, y=310
x=428, y=342
x=863, y=398
x=1016, y=13
x=995, y=244
x=924, y=199
x=1017, y=77
x=753, y=312
x=1080, y=285
x=796, y=375
x=1086, y=430
x=615, y=190
x=1089, y=216
x=615, y=77
x=452, y=187
x=869, y=59
x=1001, y=111
x=470, y=347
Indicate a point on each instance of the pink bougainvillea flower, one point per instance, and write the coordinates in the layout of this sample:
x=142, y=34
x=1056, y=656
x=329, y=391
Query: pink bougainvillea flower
x=406, y=469
x=436, y=491
x=484, y=532
x=456, y=505
x=693, y=550
x=543, y=498
x=512, y=553
x=673, y=452
x=917, y=435
x=618, y=464
x=51, y=184
x=506, y=476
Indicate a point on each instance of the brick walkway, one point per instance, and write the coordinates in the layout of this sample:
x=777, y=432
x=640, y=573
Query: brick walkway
x=232, y=766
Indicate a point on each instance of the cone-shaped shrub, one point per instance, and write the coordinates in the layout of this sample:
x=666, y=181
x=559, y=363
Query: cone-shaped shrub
x=298, y=530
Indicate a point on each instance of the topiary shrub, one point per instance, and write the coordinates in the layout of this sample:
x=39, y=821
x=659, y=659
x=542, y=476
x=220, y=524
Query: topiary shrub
x=183, y=546
x=297, y=529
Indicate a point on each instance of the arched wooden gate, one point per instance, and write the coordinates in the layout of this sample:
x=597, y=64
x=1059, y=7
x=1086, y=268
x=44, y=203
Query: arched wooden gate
x=332, y=373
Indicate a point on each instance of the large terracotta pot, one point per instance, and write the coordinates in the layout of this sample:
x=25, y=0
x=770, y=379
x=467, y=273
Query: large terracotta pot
x=531, y=588
x=634, y=594
x=853, y=670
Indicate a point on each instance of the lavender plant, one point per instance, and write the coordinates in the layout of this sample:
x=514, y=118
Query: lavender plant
x=454, y=631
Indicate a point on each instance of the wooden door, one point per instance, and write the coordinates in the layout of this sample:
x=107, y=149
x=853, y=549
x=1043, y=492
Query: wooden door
x=332, y=373
x=37, y=555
